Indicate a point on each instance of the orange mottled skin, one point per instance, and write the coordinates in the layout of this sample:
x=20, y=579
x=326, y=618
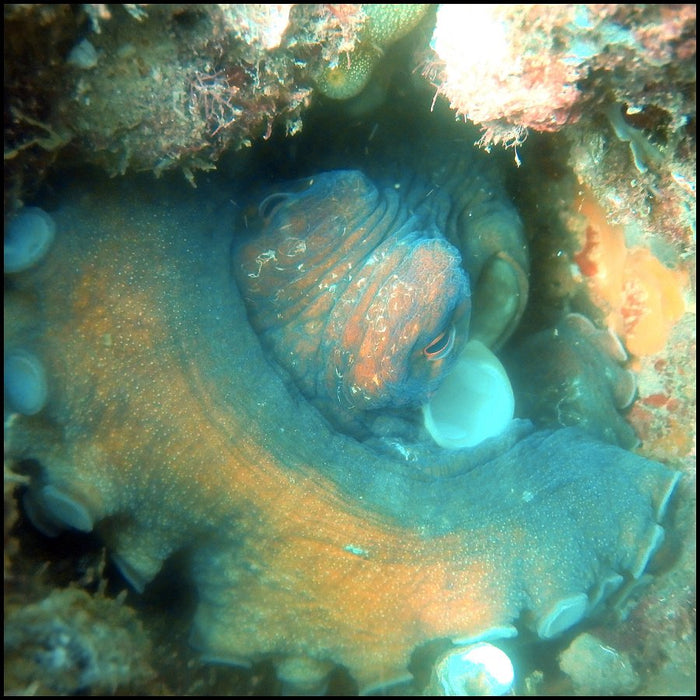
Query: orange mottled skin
x=167, y=425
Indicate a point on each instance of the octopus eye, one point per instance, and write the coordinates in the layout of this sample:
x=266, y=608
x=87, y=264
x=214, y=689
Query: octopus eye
x=269, y=206
x=441, y=346
x=274, y=202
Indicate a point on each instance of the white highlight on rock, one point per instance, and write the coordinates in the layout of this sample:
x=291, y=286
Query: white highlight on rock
x=472, y=37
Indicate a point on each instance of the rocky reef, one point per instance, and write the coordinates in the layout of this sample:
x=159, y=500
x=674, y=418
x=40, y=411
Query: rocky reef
x=162, y=87
x=564, y=179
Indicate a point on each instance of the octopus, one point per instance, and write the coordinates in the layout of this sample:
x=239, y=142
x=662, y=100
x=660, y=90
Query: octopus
x=368, y=293
x=146, y=407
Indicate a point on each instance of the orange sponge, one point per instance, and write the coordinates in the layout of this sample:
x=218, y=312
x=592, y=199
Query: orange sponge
x=642, y=298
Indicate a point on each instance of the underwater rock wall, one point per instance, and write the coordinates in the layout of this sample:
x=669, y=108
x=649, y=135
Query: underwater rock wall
x=510, y=68
x=160, y=87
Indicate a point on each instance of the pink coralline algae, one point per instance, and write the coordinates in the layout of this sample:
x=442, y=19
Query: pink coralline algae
x=510, y=68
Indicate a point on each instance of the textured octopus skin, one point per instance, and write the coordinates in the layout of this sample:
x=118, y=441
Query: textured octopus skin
x=573, y=374
x=348, y=287
x=166, y=429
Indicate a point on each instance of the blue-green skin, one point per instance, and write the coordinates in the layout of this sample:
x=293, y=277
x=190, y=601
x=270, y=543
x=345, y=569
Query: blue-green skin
x=562, y=376
x=336, y=313
x=553, y=519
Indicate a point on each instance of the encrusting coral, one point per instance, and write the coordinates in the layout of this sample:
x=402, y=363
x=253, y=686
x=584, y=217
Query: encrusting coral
x=173, y=86
x=510, y=68
x=382, y=26
x=75, y=643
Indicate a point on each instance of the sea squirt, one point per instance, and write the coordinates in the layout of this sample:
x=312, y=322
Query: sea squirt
x=166, y=428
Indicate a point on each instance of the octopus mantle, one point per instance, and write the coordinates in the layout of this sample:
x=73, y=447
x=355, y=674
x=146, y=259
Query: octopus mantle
x=167, y=429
